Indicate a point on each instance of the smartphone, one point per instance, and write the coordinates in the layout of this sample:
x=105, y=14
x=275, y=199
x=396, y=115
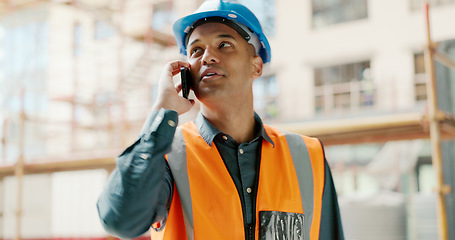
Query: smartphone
x=187, y=81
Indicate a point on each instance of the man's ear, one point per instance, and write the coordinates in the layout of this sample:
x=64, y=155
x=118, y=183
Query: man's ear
x=257, y=66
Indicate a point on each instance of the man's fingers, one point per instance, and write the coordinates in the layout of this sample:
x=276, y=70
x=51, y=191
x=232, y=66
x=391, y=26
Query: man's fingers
x=175, y=71
x=168, y=93
x=178, y=87
x=176, y=65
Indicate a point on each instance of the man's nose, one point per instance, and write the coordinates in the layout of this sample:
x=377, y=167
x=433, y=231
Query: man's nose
x=210, y=56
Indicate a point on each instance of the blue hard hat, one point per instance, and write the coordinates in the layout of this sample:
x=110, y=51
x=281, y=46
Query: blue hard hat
x=230, y=13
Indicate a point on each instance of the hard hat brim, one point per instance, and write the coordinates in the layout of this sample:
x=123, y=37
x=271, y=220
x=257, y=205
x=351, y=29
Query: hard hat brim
x=183, y=26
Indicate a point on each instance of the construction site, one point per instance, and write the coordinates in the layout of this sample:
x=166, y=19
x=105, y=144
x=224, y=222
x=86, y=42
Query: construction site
x=373, y=80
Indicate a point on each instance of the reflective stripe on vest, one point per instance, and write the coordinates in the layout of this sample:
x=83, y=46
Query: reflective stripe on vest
x=204, y=188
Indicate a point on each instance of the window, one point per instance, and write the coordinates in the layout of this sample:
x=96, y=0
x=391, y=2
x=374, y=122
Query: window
x=420, y=85
x=417, y=4
x=104, y=30
x=265, y=12
x=347, y=160
x=443, y=74
x=23, y=68
x=163, y=16
x=266, y=97
x=445, y=77
x=425, y=174
x=328, y=12
x=344, y=88
x=77, y=39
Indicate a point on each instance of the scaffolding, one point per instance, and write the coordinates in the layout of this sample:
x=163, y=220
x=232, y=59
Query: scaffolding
x=434, y=124
x=435, y=127
x=111, y=107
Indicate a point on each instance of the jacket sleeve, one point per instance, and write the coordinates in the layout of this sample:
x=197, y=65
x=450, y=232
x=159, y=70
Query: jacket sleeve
x=331, y=227
x=139, y=190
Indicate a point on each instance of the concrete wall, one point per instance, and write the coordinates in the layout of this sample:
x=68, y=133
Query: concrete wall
x=36, y=207
x=59, y=205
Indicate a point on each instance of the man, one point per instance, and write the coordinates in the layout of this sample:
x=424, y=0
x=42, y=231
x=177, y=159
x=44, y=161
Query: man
x=225, y=175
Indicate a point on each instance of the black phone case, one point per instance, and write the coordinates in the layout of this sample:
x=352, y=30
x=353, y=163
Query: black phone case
x=186, y=81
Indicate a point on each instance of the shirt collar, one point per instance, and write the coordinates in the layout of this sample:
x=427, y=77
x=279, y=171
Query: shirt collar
x=209, y=132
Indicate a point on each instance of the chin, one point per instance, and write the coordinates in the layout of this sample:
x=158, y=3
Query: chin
x=210, y=97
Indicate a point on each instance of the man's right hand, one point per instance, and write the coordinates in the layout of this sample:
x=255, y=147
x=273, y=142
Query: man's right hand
x=168, y=94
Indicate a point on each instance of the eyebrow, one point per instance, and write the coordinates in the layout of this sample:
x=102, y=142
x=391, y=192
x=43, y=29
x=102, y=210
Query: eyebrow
x=219, y=36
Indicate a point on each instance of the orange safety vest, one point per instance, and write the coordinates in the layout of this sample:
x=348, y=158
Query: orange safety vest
x=205, y=203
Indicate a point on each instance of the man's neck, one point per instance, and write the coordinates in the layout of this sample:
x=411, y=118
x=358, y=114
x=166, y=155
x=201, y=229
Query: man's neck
x=238, y=122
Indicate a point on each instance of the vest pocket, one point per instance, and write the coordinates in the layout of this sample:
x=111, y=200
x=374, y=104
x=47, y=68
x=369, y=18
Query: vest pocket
x=274, y=225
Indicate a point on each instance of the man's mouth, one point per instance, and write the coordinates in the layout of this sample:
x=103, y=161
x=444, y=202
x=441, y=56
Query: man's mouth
x=210, y=73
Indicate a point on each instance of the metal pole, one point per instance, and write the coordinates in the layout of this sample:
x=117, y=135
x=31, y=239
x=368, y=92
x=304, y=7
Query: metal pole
x=5, y=123
x=19, y=168
x=75, y=72
x=2, y=219
x=435, y=132
x=124, y=127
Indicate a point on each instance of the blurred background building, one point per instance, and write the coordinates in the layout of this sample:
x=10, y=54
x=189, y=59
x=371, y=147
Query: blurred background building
x=77, y=80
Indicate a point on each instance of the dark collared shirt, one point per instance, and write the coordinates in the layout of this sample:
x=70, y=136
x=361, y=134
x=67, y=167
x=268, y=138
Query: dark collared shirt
x=241, y=160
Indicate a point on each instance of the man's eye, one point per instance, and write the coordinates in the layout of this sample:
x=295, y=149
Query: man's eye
x=195, y=51
x=225, y=44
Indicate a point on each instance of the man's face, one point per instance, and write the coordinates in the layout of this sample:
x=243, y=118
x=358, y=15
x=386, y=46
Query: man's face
x=223, y=64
